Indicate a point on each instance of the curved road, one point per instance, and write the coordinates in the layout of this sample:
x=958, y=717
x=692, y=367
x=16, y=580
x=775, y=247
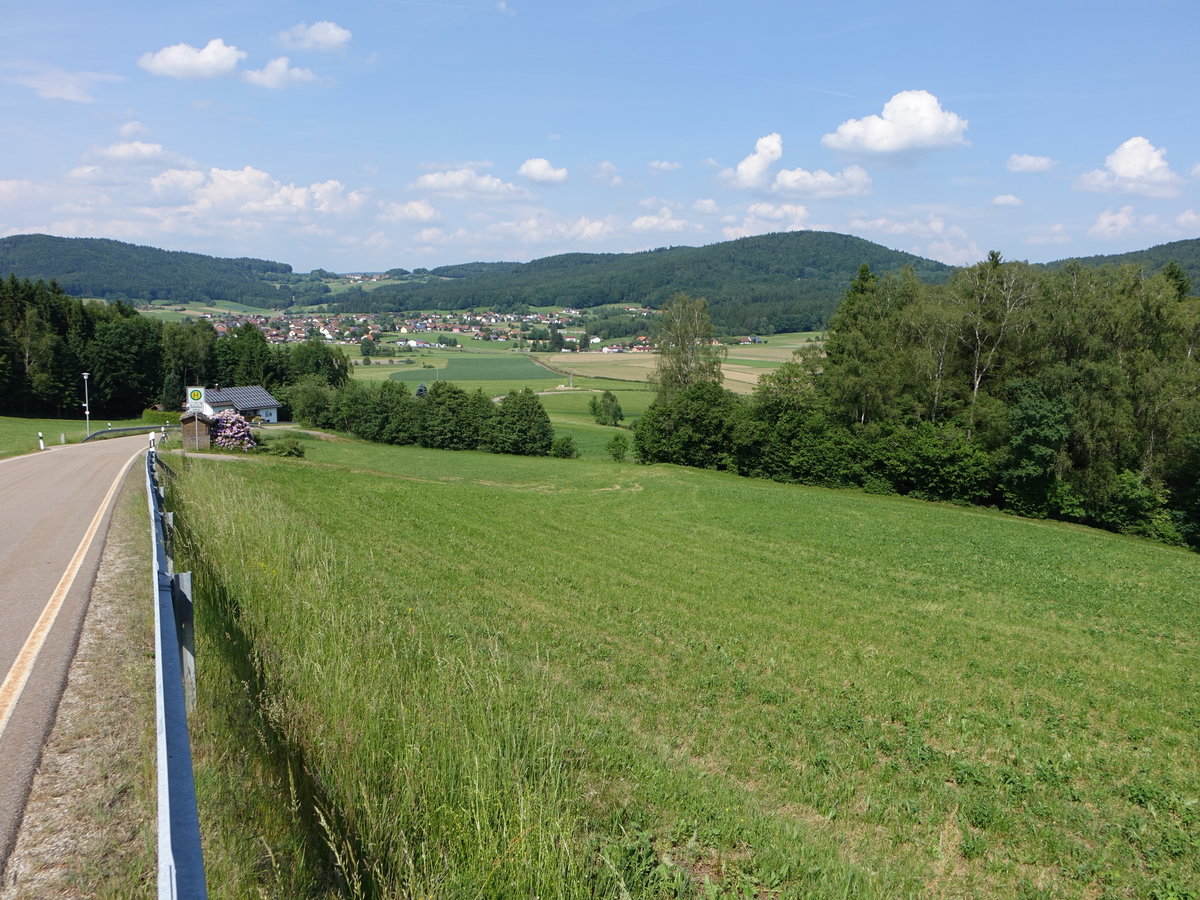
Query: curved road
x=54, y=513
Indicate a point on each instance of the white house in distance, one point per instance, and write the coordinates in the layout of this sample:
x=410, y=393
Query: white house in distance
x=252, y=401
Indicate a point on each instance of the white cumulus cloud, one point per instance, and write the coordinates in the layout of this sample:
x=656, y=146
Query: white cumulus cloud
x=911, y=120
x=185, y=61
x=277, y=74
x=1114, y=223
x=762, y=218
x=852, y=181
x=1006, y=200
x=754, y=171
x=661, y=166
x=1136, y=167
x=1025, y=162
x=540, y=170
x=413, y=211
x=663, y=220
x=132, y=151
x=609, y=173
x=465, y=183
x=706, y=205
x=177, y=185
x=319, y=36
x=1188, y=219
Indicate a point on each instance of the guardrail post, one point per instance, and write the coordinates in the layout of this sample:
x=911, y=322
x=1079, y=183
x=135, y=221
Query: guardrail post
x=169, y=541
x=185, y=627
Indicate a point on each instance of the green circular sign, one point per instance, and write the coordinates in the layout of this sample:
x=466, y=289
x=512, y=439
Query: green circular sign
x=196, y=395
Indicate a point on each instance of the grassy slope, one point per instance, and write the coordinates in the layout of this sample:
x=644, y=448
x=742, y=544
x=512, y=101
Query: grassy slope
x=20, y=435
x=686, y=676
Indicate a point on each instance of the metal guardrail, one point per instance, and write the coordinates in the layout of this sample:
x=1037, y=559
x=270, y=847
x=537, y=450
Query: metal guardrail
x=129, y=429
x=180, y=861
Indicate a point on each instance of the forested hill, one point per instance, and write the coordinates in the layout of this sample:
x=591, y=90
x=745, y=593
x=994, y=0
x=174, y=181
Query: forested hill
x=781, y=282
x=1185, y=253
x=113, y=270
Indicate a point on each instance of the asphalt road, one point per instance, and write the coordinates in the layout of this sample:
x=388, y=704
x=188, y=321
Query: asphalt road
x=54, y=513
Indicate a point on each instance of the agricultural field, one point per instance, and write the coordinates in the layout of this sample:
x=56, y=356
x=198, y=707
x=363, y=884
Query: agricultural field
x=742, y=367
x=177, y=312
x=515, y=677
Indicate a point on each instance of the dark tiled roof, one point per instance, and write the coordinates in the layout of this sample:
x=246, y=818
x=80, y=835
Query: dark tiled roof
x=249, y=397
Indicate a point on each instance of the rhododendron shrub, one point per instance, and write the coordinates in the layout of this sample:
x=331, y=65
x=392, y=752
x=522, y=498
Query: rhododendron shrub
x=231, y=431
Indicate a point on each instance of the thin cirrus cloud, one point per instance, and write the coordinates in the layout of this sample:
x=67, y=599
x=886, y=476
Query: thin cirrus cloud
x=910, y=121
x=1006, y=200
x=53, y=83
x=278, y=74
x=1135, y=167
x=542, y=171
x=214, y=60
x=325, y=36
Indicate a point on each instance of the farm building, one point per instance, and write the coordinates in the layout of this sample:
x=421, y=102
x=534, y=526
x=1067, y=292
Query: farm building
x=251, y=401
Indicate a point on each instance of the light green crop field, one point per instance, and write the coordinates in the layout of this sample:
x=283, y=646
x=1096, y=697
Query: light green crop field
x=175, y=312
x=20, y=435
x=513, y=677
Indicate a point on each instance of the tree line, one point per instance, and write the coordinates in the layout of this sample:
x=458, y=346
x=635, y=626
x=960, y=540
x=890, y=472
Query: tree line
x=48, y=339
x=442, y=416
x=1071, y=393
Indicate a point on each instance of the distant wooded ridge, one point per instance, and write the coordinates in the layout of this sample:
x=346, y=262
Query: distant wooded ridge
x=775, y=282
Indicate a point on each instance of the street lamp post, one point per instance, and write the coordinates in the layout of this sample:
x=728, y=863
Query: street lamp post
x=87, y=412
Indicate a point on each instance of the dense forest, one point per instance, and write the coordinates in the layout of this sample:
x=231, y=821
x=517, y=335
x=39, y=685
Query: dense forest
x=1070, y=393
x=766, y=284
x=48, y=339
x=112, y=270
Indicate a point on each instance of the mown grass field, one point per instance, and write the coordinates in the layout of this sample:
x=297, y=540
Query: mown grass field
x=514, y=677
x=20, y=435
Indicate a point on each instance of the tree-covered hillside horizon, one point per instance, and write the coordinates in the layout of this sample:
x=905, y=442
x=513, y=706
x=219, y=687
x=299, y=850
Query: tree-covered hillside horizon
x=788, y=281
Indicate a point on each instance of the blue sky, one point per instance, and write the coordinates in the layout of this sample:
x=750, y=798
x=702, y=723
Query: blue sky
x=367, y=135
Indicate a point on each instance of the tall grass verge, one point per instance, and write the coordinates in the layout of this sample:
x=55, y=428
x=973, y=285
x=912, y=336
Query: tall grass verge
x=431, y=767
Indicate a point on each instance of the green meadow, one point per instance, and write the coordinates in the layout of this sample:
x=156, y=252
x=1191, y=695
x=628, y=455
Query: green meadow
x=20, y=435
x=470, y=675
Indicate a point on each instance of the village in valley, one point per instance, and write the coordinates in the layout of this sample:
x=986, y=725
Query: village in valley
x=434, y=329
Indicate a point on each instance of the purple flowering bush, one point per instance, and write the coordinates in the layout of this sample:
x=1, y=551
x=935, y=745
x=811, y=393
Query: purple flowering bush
x=231, y=431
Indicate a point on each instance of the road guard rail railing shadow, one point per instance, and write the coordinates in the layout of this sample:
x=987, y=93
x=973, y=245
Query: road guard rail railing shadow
x=130, y=429
x=180, y=861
